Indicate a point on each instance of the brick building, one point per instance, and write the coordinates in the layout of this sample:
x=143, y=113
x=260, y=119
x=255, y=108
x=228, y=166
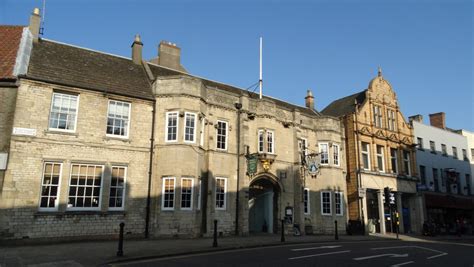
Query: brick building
x=380, y=153
x=98, y=139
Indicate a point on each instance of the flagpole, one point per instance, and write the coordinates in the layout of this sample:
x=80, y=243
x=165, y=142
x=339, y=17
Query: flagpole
x=260, y=81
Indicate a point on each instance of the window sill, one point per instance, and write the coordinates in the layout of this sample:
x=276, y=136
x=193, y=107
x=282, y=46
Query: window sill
x=51, y=131
x=117, y=138
x=66, y=213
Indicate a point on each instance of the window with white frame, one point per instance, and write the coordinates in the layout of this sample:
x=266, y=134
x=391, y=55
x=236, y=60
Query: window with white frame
x=187, y=185
x=199, y=190
x=380, y=158
x=85, y=187
x=118, y=118
x=117, y=187
x=266, y=141
x=391, y=118
x=326, y=203
x=49, y=199
x=339, y=203
x=306, y=201
x=270, y=142
x=324, y=153
x=394, y=159
x=221, y=190
x=420, y=143
x=189, y=127
x=167, y=194
x=432, y=147
x=63, y=115
x=365, y=156
x=171, y=126
x=336, y=154
x=201, y=141
x=406, y=162
x=221, y=135
x=378, y=116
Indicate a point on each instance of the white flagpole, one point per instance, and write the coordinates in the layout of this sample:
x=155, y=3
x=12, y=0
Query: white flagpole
x=260, y=81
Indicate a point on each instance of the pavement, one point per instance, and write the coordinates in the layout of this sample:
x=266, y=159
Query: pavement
x=100, y=253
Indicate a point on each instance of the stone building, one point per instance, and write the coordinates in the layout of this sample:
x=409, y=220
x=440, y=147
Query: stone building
x=98, y=139
x=380, y=154
x=445, y=174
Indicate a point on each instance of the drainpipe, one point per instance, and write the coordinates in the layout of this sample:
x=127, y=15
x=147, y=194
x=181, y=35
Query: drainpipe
x=359, y=175
x=238, y=106
x=150, y=171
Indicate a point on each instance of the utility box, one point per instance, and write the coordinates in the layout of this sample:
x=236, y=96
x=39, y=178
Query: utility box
x=3, y=161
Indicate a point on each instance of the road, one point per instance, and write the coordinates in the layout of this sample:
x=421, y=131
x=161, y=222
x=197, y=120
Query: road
x=366, y=253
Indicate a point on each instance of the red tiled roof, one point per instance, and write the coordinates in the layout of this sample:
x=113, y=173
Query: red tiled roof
x=10, y=37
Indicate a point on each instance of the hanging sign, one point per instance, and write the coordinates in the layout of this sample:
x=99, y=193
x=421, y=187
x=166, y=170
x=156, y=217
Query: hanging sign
x=252, y=161
x=312, y=164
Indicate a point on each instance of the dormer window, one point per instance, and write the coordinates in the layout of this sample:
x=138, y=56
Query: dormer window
x=378, y=116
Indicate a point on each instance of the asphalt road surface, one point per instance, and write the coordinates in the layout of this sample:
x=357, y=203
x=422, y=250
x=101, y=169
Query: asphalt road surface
x=365, y=253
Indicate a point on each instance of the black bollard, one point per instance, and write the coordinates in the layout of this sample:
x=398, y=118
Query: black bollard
x=120, y=244
x=282, y=230
x=214, y=244
x=336, y=235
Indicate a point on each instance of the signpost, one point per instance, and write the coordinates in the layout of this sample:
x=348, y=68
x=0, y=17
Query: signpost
x=252, y=161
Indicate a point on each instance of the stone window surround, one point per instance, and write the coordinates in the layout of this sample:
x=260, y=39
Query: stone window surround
x=226, y=136
x=367, y=153
x=191, y=115
x=58, y=192
x=224, y=204
x=56, y=92
x=126, y=136
x=320, y=145
x=341, y=203
x=265, y=134
x=124, y=188
x=63, y=196
x=98, y=208
x=336, y=155
x=167, y=126
x=323, y=202
x=306, y=201
x=164, y=179
x=191, y=193
x=380, y=157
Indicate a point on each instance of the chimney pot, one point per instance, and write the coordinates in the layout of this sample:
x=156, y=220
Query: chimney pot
x=35, y=21
x=438, y=120
x=417, y=117
x=137, y=47
x=309, y=99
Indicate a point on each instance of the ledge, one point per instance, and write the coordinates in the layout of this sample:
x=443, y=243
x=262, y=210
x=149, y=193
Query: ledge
x=81, y=213
x=47, y=132
x=117, y=138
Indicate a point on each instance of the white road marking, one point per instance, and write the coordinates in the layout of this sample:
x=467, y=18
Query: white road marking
x=441, y=253
x=322, y=247
x=321, y=254
x=381, y=255
x=403, y=263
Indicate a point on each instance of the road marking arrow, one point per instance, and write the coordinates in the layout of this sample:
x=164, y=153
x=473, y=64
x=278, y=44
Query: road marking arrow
x=381, y=255
x=321, y=254
x=322, y=247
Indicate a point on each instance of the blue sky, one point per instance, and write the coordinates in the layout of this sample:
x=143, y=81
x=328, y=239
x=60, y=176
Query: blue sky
x=424, y=47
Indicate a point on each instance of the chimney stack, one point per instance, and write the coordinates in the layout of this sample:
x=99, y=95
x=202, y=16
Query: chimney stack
x=169, y=55
x=309, y=99
x=417, y=117
x=137, y=46
x=438, y=120
x=35, y=22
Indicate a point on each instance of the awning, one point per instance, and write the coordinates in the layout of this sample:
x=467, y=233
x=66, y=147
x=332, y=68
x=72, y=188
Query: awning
x=449, y=201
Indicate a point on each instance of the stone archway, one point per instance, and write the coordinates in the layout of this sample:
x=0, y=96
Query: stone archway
x=264, y=193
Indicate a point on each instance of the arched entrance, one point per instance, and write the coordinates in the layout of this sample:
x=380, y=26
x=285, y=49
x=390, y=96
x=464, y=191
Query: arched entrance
x=263, y=205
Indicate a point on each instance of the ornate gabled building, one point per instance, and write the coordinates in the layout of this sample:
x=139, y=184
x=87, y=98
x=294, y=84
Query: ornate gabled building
x=98, y=139
x=380, y=154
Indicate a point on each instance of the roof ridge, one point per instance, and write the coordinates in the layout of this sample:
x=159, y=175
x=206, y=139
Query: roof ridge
x=88, y=49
